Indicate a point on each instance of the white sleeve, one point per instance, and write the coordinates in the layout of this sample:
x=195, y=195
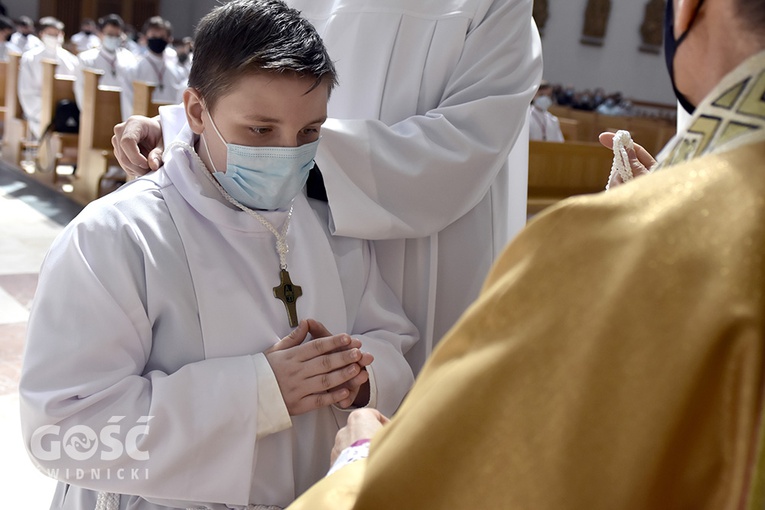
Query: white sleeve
x=273, y=415
x=387, y=334
x=89, y=341
x=415, y=177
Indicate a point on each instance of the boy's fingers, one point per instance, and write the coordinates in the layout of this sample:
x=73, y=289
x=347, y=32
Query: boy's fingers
x=319, y=400
x=332, y=370
x=317, y=329
x=326, y=345
x=295, y=338
x=330, y=380
x=366, y=359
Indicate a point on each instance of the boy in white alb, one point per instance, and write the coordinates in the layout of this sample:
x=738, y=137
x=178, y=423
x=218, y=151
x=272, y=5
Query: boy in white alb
x=51, y=32
x=117, y=63
x=159, y=66
x=180, y=354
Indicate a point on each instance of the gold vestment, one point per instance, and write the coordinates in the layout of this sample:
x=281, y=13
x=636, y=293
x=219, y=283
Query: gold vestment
x=614, y=359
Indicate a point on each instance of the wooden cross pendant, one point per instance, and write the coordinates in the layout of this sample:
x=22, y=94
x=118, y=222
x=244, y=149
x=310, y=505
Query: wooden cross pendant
x=288, y=293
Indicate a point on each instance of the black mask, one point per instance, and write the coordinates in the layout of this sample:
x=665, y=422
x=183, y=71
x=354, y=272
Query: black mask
x=87, y=32
x=183, y=57
x=156, y=45
x=8, y=39
x=670, y=47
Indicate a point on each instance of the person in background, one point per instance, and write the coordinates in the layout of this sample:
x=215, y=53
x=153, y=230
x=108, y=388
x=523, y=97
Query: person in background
x=543, y=125
x=616, y=356
x=583, y=101
x=131, y=42
x=117, y=63
x=565, y=96
x=51, y=32
x=87, y=38
x=7, y=29
x=24, y=38
x=160, y=65
x=182, y=49
x=615, y=104
x=598, y=96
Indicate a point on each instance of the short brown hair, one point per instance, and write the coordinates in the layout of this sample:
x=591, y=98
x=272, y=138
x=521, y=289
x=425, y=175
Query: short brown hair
x=247, y=36
x=158, y=22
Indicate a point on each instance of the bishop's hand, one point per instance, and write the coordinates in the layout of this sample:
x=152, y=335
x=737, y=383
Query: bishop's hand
x=315, y=374
x=640, y=160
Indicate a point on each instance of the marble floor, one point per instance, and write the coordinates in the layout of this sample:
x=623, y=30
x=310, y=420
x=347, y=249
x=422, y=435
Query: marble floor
x=30, y=218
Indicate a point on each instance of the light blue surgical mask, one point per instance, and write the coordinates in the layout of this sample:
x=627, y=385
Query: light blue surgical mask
x=111, y=43
x=266, y=178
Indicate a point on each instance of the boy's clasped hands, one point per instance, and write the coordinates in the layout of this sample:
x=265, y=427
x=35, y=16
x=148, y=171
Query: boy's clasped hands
x=328, y=369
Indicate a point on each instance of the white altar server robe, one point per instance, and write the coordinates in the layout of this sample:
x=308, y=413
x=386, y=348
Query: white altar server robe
x=165, y=73
x=157, y=301
x=30, y=82
x=432, y=95
x=118, y=69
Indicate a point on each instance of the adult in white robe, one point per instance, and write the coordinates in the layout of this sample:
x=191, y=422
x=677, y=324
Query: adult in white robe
x=432, y=96
x=157, y=301
x=30, y=81
x=118, y=68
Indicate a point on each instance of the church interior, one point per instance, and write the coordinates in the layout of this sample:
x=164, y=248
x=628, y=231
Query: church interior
x=602, y=58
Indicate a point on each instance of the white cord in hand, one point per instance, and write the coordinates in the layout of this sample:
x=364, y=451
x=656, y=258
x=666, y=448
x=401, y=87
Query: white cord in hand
x=621, y=163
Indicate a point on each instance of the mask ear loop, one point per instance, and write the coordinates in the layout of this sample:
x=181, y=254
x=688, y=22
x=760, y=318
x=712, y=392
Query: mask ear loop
x=203, y=137
x=670, y=57
x=214, y=126
x=207, y=150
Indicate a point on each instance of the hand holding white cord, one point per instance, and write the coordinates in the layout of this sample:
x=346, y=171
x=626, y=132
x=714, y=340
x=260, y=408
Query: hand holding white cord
x=638, y=160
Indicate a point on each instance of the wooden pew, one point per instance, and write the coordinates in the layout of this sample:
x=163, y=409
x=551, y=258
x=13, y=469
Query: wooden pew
x=561, y=170
x=3, y=76
x=586, y=130
x=99, y=113
x=142, y=103
x=63, y=145
x=651, y=133
x=569, y=128
x=15, y=127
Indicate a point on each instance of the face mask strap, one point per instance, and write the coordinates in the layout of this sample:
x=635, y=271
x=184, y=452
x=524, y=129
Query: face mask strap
x=670, y=49
x=690, y=23
x=212, y=122
x=203, y=137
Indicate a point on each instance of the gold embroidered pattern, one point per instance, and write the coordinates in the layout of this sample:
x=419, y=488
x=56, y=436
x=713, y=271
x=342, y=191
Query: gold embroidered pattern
x=735, y=116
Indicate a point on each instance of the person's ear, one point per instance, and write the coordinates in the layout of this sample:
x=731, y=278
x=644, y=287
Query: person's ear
x=685, y=12
x=194, y=107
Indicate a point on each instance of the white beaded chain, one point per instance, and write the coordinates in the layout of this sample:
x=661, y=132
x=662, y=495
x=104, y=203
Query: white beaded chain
x=111, y=501
x=621, y=163
x=107, y=501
